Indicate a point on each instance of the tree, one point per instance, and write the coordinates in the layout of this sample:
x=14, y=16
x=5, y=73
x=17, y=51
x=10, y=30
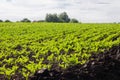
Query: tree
x=48, y=18
x=40, y=21
x=55, y=18
x=1, y=20
x=25, y=20
x=74, y=20
x=7, y=21
x=52, y=18
x=63, y=17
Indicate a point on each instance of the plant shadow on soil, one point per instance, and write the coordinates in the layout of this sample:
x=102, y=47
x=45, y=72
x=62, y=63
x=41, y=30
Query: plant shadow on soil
x=102, y=66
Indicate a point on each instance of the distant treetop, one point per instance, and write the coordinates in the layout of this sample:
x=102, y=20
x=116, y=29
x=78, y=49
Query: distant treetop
x=7, y=21
x=62, y=17
x=74, y=20
x=25, y=20
x=1, y=20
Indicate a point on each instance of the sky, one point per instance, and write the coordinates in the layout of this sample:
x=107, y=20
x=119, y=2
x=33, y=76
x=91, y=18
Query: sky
x=83, y=10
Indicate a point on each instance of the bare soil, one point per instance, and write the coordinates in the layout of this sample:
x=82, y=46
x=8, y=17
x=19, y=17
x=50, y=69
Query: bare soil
x=102, y=66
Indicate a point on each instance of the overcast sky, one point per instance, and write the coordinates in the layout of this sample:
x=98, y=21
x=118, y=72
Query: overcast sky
x=83, y=10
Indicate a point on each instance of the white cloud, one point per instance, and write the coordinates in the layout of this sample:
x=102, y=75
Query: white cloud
x=84, y=10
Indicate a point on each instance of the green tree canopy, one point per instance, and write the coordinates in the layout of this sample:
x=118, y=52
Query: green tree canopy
x=25, y=20
x=7, y=21
x=1, y=20
x=64, y=17
x=52, y=18
x=74, y=20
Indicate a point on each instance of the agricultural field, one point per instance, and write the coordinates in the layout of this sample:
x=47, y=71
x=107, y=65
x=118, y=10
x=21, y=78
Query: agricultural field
x=27, y=47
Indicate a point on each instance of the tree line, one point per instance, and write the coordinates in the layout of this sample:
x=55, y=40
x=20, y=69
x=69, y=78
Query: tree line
x=61, y=18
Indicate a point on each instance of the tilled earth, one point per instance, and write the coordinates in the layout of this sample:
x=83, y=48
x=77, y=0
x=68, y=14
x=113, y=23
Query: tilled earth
x=102, y=66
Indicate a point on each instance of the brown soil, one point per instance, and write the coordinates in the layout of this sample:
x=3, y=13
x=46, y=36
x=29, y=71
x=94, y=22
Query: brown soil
x=103, y=66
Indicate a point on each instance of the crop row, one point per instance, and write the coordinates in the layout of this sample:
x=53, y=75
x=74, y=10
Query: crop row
x=27, y=47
